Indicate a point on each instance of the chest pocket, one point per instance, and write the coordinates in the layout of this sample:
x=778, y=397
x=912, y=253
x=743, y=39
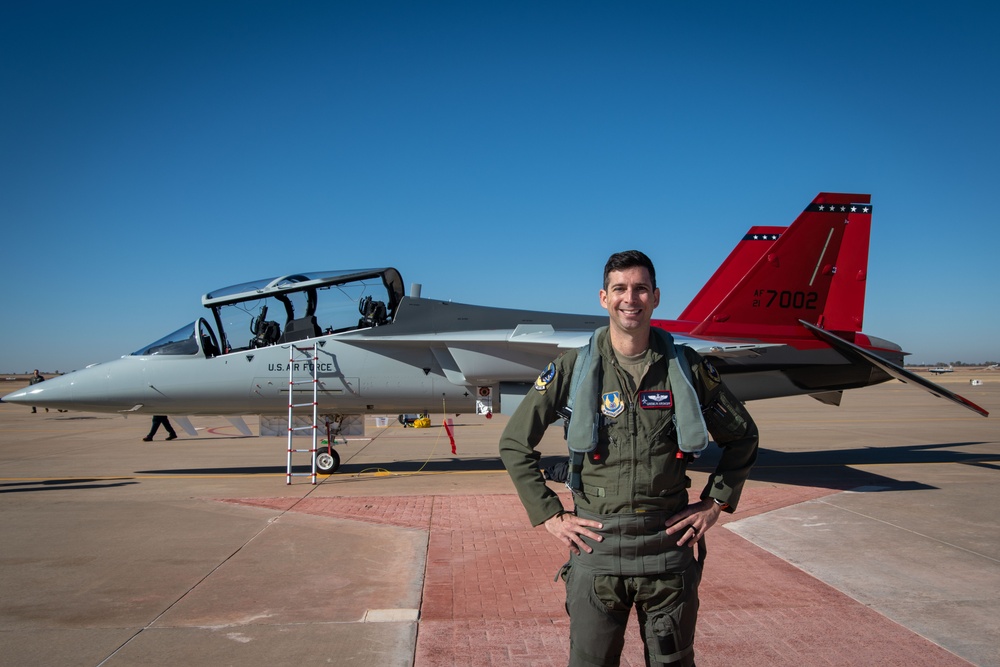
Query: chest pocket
x=656, y=417
x=599, y=478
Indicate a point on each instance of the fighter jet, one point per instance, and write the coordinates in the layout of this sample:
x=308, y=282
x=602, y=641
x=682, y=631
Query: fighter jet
x=781, y=316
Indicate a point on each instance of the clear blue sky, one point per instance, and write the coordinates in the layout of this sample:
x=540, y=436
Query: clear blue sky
x=495, y=152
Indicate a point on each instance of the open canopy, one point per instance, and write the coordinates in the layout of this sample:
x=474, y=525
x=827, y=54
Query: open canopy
x=259, y=289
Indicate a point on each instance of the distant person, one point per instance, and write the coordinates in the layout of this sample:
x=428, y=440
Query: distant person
x=35, y=379
x=157, y=420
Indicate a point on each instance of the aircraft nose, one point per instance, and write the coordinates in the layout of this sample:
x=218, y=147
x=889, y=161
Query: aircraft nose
x=84, y=389
x=53, y=392
x=111, y=386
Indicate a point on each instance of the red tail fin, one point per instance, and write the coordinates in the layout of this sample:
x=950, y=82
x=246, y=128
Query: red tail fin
x=795, y=277
x=845, y=306
x=746, y=253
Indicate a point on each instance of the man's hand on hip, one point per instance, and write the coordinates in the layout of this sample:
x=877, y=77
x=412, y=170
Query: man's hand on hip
x=571, y=529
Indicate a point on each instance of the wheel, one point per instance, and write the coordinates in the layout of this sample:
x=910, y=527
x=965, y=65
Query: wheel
x=327, y=461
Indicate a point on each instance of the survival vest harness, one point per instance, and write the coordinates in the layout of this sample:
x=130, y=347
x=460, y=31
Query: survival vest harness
x=585, y=387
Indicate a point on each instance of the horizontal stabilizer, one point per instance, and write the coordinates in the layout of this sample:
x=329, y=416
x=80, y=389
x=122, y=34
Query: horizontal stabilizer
x=855, y=352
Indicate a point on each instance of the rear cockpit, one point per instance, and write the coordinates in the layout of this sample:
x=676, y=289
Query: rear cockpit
x=286, y=309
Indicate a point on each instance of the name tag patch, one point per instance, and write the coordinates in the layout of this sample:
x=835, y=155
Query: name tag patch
x=656, y=400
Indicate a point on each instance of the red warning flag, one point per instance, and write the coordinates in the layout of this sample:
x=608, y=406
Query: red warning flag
x=448, y=426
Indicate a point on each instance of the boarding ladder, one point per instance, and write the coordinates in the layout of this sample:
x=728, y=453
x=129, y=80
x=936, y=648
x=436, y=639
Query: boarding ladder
x=302, y=355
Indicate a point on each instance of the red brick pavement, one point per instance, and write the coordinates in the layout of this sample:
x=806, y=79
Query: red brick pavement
x=490, y=599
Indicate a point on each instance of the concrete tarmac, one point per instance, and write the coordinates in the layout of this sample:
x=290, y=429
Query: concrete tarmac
x=866, y=536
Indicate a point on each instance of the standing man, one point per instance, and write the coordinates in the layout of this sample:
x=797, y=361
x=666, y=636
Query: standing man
x=641, y=409
x=35, y=379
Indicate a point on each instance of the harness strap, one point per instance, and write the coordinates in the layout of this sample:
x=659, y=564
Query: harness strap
x=673, y=657
x=584, y=368
x=586, y=381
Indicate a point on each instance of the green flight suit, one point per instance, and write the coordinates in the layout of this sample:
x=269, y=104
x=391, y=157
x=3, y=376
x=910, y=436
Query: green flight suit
x=632, y=482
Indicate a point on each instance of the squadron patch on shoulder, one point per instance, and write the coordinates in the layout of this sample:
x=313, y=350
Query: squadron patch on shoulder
x=612, y=404
x=656, y=400
x=710, y=371
x=546, y=377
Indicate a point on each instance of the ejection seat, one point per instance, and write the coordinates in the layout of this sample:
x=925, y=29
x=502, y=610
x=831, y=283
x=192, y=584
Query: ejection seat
x=373, y=313
x=304, y=327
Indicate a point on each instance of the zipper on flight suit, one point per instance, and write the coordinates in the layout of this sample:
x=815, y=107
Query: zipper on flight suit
x=631, y=390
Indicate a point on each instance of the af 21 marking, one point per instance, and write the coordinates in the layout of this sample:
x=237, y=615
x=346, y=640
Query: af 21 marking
x=769, y=298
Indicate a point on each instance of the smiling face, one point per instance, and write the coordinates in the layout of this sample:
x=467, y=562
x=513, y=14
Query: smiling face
x=630, y=299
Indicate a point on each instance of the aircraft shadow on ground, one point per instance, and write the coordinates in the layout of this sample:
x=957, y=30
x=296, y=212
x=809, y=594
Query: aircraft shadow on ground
x=63, y=485
x=833, y=469
x=826, y=469
x=347, y=469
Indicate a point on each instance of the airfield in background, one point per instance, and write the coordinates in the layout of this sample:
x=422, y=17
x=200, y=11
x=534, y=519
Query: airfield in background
x=866, y=536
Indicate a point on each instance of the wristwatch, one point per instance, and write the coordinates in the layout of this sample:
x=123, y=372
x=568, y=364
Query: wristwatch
x=722, y=506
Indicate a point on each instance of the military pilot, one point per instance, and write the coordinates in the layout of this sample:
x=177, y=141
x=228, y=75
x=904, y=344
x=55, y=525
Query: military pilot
x=641, y=409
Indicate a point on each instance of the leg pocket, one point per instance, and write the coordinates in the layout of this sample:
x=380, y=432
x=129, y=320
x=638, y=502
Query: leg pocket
x=671, y=614
x=610, y=595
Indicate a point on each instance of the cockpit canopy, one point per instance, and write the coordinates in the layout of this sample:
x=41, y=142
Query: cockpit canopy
x=286, y=309
x=298, y=282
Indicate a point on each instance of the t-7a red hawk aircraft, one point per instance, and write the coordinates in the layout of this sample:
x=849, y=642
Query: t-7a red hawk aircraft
x=781, y=316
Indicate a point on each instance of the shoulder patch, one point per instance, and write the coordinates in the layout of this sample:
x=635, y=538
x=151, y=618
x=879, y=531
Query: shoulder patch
x=710, y=371
x=545, y=378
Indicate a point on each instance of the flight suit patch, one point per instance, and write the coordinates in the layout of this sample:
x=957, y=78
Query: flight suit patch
x=546, y=378
x=612, y=404
x=656, y=400
x=710, y=370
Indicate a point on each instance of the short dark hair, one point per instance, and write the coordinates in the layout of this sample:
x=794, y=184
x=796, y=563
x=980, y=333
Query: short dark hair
x=626, y=260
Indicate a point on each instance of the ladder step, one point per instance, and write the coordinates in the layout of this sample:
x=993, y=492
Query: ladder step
x=307, y=376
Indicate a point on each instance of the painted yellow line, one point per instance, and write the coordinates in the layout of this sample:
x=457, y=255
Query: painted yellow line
x=97, y=478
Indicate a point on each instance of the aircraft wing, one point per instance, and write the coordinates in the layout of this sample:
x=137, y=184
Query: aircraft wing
x=852, y=351
x=546, y=334
x=525, y=334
